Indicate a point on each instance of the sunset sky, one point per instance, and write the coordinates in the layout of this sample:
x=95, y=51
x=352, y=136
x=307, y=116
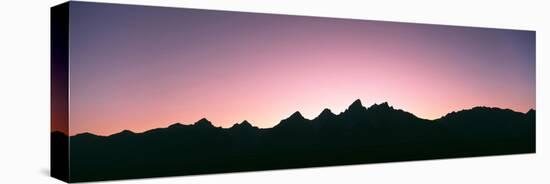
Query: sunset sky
x=138, y=68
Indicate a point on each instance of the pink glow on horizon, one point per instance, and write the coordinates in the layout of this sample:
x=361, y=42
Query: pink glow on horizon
x=266, y=74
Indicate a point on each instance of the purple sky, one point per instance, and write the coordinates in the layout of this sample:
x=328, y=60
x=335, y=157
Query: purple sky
x=137, y=68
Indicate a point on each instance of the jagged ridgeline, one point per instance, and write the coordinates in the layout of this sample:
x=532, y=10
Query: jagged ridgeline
x=378, y=133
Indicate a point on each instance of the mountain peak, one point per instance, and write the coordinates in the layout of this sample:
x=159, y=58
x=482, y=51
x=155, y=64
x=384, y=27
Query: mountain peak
x=296, y=115
x=356, y=106
x=356, y=103
x=203, y=123
x=326, y=113
x=176, y=125
x=295, y=119
x=244, y=124
x=84, y=134
x=531, y=113
x=124, y=133
x=383, y=105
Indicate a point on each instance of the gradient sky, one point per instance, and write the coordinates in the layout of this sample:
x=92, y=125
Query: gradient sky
x=138, y=68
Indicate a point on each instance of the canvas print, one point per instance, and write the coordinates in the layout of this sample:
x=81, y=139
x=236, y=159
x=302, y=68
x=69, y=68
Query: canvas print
x=142, y=91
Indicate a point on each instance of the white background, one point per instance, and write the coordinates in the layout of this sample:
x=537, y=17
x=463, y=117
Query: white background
x=24, y=91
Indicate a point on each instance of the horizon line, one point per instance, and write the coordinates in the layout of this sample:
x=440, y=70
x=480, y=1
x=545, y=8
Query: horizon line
x=355, y=101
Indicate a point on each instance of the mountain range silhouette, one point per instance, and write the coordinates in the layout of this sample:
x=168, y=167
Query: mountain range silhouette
x=358, y=135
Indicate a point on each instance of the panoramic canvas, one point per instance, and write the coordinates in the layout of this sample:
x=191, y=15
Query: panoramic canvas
x=141, y=91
